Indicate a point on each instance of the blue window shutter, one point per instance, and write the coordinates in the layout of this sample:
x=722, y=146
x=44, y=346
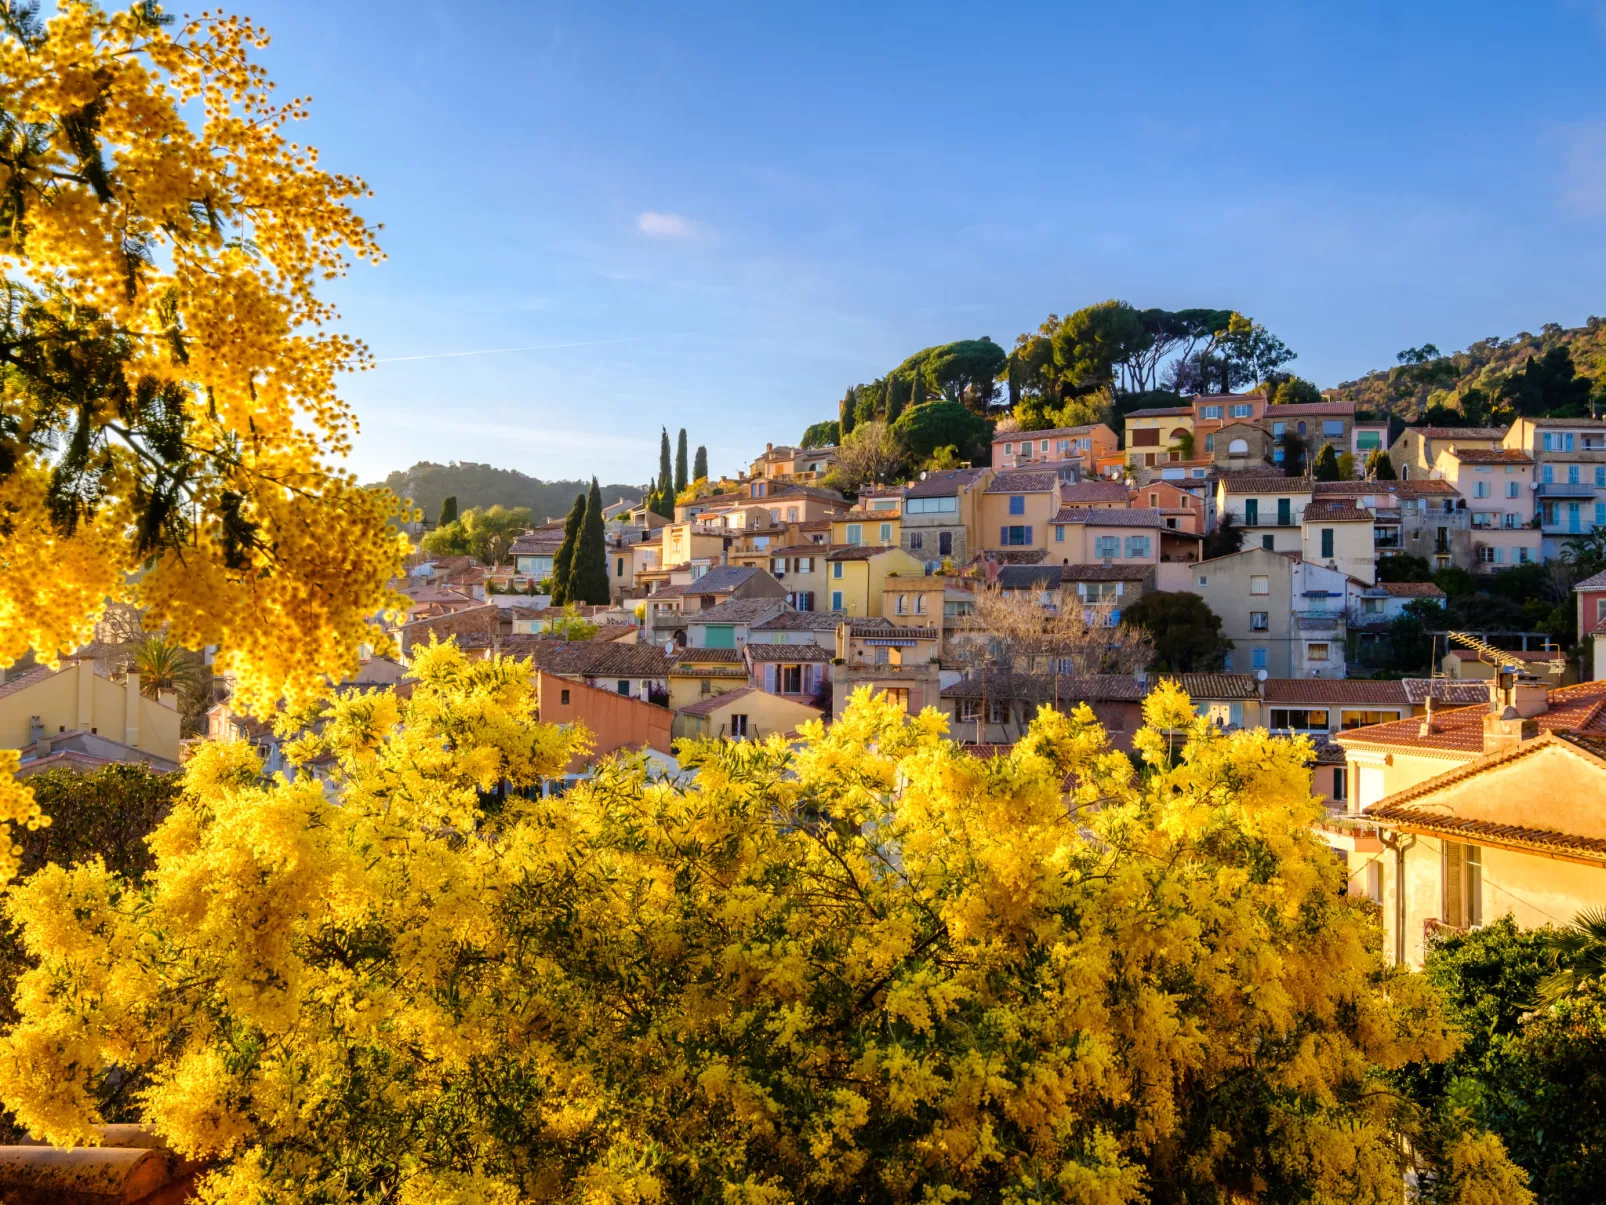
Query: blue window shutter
x=769, y=676
x=1003, y=535
x=1028, y=533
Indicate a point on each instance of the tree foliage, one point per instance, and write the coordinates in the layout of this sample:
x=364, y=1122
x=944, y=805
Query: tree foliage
x=563, y=560
x=1185, y=632
x=864, y=966
x=822, y=435
x=1325, y=466
x=872, y=455
x=923, y=429
x=487, y=534
x=1225, y=540
x=588, y=575
x=681, y=470
x=448, y=512
x=169, y=419
x=699, y=464
x=1535, y=1075
x=1379, y=467
x=479, y=486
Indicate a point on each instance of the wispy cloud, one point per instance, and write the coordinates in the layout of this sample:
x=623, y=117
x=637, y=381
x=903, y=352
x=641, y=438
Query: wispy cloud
x=666, y=225
x=1583, y=168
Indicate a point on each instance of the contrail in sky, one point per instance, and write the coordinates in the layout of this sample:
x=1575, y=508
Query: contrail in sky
x=497, y=351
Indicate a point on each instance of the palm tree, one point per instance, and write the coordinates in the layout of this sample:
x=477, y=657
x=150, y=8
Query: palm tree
x=162, y=664
x=1580, y=954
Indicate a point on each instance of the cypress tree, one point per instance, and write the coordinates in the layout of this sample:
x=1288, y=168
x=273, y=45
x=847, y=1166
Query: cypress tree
x=588, y=580
x=1325, y=466
x=564, y=561
x=699, y=467
x=448, y=512
x=850, y=410
x=680, y=463
x=1379, y=467
x=665, y=471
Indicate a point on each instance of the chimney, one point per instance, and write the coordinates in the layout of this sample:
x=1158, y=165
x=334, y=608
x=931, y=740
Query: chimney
x=1427, y=727
x=36, y=730
x=131, y=709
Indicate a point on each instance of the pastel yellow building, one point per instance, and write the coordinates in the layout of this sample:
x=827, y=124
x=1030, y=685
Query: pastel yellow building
x=1017, y=509
x=42, y=704
x=1338, y=535
x=856, y=578
x=1443, y=825
x=744, y=714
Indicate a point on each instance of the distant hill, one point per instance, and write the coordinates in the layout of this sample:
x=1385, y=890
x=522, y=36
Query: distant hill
x=478, y=485
x=1492, y=373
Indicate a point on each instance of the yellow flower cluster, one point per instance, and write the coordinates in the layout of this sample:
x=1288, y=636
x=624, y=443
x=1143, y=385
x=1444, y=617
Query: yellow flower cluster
x=161, y=212
x=861, y=966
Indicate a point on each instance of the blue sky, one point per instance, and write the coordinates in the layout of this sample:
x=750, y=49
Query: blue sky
x=721, y=216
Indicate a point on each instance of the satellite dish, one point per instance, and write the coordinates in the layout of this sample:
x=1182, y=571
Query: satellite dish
x=1260, y=675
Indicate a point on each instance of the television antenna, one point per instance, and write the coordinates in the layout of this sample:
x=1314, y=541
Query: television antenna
x=1499, y=659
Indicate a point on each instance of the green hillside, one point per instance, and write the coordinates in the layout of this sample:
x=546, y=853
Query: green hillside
x=1559, y=371
x=479, y=485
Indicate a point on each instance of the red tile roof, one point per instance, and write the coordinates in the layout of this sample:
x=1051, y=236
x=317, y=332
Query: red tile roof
x=1311, y=410
x=1481, y=434
x=1023, y=481
x=1134, y=516
x=1336, y=690
x=714, y=702
x=1491, y=456
x=1410, y=589
x=1336, y=512
x=788, y=652
x=1085, y=492
x=1572, y=709
x=1263, y=483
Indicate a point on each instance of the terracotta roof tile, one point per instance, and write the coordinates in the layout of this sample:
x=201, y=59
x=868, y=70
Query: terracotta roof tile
x=1023, y=481
x=1482, y=434
x=1085, y=492
x=1335, y=690
x=1572, y=709
x=1262, y=483
x=1311, y=409
x=1218, y=686
x=1445, y=690
x=788, y=652
x=1094, y=688
x=1491, y=456
x=860, y=552
x=944, y=483
x=714, y=702
x=1160, y=412
x=1410, y=589
x=1336, y=512
x=1132, y=516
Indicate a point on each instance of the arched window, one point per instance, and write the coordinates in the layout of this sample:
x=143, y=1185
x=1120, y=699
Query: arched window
x=1302, y=427
x=1238, y=447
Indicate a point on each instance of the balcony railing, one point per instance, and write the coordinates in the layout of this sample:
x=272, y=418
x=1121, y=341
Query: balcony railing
x=905, y=670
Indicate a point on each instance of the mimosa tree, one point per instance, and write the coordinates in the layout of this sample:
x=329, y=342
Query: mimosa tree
x=865, y=966
x=168, y=413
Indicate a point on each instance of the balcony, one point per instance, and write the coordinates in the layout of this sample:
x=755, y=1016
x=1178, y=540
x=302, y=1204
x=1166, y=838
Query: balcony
x=1566, y=489
x=1386, y=537
x=870, y=669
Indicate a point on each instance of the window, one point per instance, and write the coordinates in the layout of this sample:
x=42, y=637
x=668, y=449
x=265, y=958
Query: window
x=1600, y=514
x=1600, y=477
x=945, y=543
x=1363, y=718
x=1300, y=427
x=1523, y=556
x=1210, y=442
x=1316, y=652
x=1014, y=536
x=1059, y=533
x=1259, y=583
x=901, y=607
x=1008, y=448
x=705, y=687
x=1366, y=441
x=563, y=697
x=1105, y=546
x=1149, y=438
x=1260, y=621
x=1242, y=410
x=855, y=534
x=1480, y=489
x=836, y=568
x=1209, y=411
x=1558, y=441
x=1238, y=447
x=619, y=567
x=1258, y=658
x=1572, y=474
x=1299, y=719
x=1485, y=555
x=836, y=600
x=775, y=514
x=1514, y=488
x=998, y=711
x=1327, y=541
x=920, y=604
x=791, y=514
x=1042, y=445
x=738, y=724
x=623, y=686
x=969, y=710
x=1462, y=881
x=791, y=679
x=1251, y=511
x=1017, y=504
x=1341, y=786
x=1277, y=430
x=1285, y=512
x=1137, y=545
x=1333, y=428
x=931, y=506
x=886, y=533
x=916, y=541
x=1269, y=543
